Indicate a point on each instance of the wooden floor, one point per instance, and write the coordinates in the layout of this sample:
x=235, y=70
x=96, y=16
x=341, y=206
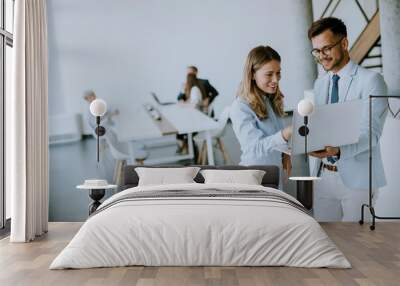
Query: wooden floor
x=375, y=257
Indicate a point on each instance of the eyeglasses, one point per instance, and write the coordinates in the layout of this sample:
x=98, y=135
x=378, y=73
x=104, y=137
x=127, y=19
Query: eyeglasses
x=325, y=50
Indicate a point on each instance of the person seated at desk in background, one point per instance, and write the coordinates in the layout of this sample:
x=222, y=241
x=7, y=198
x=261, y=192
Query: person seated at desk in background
x=209, y=91
x=257, y=112
x=194, y=96
x=106, y=119
x=194, y=93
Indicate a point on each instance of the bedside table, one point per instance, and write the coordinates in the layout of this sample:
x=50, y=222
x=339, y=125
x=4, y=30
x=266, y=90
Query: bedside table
x=96, y=193
x=304, y=190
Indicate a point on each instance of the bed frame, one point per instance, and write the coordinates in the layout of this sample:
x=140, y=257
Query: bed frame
x=270, y=179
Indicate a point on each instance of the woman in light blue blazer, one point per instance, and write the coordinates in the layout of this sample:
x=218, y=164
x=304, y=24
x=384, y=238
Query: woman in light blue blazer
x=257, y=112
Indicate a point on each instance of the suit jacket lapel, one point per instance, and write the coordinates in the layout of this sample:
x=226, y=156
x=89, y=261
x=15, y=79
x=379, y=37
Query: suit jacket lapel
x=325, y=90
x=321, y=91
x=347, y=83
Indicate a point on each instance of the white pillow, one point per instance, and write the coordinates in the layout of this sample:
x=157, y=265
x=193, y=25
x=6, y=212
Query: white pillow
x=248, y=177
x=163, y=176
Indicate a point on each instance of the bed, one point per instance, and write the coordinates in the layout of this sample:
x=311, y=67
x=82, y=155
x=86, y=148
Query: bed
x=201, y=224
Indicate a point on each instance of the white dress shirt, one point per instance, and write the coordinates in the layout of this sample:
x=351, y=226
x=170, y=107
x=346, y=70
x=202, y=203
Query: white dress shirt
x=343, y=73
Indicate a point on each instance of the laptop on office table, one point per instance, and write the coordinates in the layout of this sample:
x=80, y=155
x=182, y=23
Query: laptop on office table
x=154, y=95
x=329, y=125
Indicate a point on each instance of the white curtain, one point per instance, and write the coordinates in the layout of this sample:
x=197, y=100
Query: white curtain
x=26, y=120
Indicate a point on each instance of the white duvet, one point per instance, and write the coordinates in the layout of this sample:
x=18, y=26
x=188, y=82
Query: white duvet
x=200, y=231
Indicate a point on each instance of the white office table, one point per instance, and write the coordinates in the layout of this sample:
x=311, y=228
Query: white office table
x=135, y=124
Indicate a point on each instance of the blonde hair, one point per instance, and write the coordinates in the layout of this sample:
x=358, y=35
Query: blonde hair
x=249, y=90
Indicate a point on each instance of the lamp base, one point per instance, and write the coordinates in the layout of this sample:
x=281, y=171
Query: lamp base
x=96, y=195
x=305, y=193
x=304, y=190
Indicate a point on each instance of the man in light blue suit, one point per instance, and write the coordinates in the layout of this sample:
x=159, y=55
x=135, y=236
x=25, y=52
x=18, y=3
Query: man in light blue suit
x=344, y=169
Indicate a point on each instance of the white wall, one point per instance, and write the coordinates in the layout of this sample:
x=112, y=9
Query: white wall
x=125, y=49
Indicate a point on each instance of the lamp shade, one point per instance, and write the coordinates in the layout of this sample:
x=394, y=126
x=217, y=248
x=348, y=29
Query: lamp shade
x=98, y=107
x=305, y=107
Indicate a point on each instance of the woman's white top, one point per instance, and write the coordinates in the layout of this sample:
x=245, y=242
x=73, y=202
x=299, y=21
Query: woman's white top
x=195, y=96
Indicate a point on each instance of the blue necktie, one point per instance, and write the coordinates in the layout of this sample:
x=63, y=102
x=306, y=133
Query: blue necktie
x=335, y=89
x=334, y=99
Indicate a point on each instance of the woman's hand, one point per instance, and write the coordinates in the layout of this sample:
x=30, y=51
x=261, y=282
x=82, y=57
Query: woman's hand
x=287, y=132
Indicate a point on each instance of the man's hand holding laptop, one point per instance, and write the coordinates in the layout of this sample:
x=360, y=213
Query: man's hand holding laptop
x=327, y=152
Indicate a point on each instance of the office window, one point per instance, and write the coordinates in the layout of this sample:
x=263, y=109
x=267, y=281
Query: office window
x=6, y=63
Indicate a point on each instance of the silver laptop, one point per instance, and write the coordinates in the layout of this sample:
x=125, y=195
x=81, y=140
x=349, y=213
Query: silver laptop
x=329, y=125
x=154, y=95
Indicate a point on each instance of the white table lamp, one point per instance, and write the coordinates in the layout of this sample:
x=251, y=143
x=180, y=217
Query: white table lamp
x=305, y=107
